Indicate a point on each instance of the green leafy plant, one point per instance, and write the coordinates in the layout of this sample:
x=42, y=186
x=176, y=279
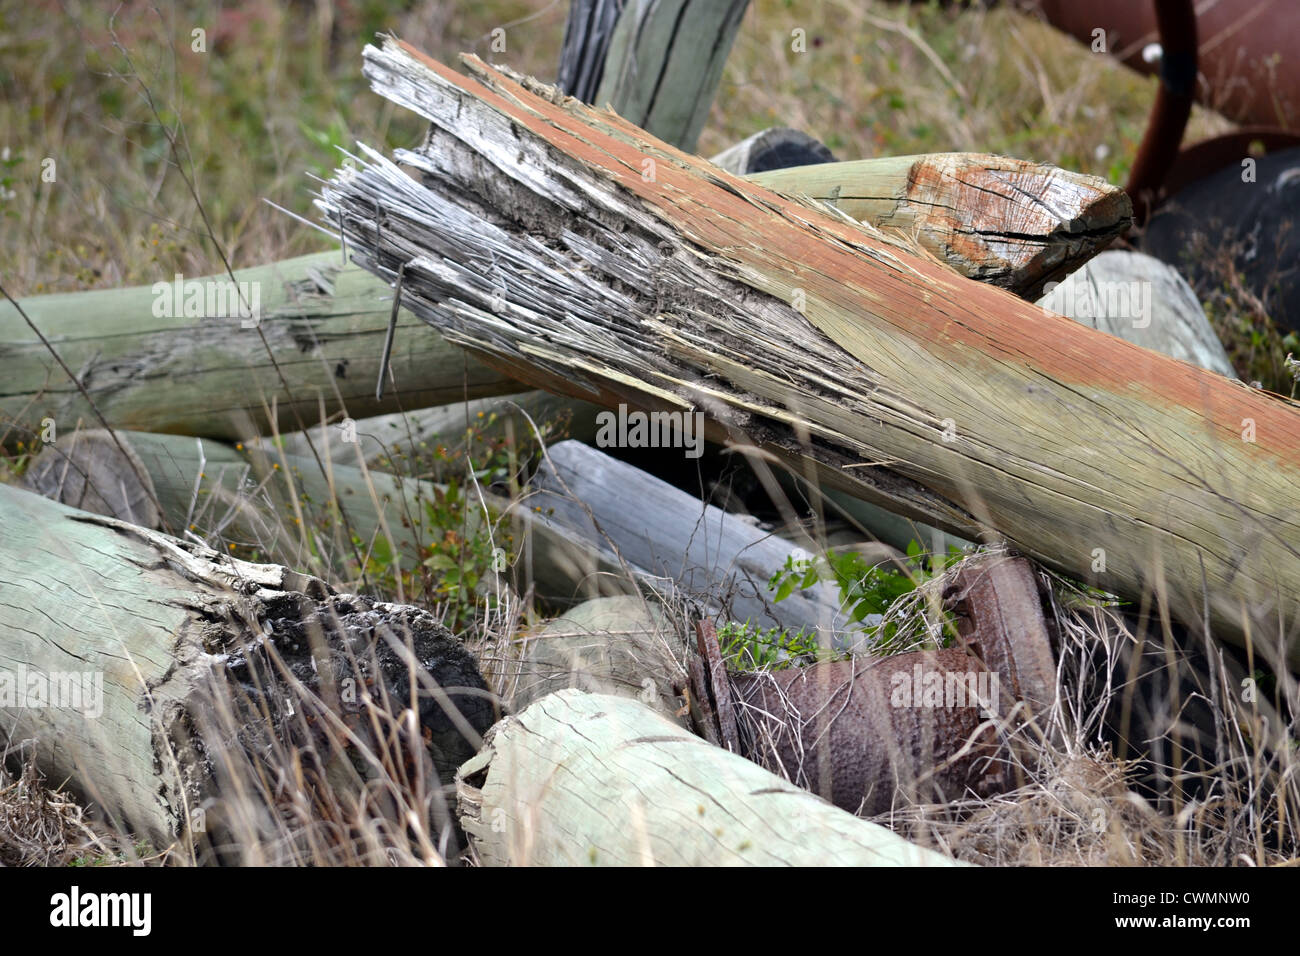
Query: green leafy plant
x=464, y=553
x=746, y=647
x=868, y=591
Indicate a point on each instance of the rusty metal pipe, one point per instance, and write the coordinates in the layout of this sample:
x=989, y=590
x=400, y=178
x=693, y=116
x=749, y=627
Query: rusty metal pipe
x=861, y=733
x=1176, y=21
x=929, y=725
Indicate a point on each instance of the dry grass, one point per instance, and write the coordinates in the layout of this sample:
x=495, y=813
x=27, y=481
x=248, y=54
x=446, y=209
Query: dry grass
x=312, y=781
x=886, y=79
x=1211, y=779
x=279, y=87
x=285, y=769
x=1241, y=314
x=42, y=825
x=1214, y=788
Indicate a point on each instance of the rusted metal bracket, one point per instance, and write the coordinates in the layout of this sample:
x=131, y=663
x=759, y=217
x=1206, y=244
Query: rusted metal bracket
x=709, y=678
x=1000, y=619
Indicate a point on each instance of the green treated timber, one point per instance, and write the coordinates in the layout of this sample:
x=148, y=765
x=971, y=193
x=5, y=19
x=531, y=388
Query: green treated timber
x=282, y=507
x=665, y=61
x=324, y=325
x=582, y=779
x=1007, y=222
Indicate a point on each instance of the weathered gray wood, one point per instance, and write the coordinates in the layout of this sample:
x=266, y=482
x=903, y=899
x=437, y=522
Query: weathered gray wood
x=587, y=32
x=720, y=559
x=934, y=396
x=627, y=646
x=87, y=469
x=665, y=61
x=209, y=376
x=1143, y=300
x=588, y=779
x=386, y=437
x=153, y=621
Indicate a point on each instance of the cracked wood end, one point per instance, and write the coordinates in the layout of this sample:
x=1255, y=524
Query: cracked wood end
x=150, y=627
x=1012, y=223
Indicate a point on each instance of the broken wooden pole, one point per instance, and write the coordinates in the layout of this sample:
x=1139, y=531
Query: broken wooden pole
x=180, y=356
x=937, y=397
x=143, y=629
x=583, y=779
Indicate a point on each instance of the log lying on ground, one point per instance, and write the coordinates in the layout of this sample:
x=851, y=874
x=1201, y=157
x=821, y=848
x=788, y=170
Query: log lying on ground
x=207, y=375
x=626, y=646
x=150, y=621
x=868, y=734
x=1008, y=222
x=283, y=506
x=387, y=438
x=589, y=779
x=937, y=397
x=720, y=559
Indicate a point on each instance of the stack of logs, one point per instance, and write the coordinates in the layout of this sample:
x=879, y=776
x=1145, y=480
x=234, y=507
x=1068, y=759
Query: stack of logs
x=869, y=326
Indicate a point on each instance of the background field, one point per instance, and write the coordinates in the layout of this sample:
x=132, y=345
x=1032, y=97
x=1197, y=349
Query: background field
x=105, y=91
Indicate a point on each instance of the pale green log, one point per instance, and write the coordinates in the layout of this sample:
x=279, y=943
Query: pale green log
x=210, y=377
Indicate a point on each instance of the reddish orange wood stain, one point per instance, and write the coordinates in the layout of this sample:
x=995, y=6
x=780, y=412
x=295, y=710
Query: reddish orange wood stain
x=965, y=323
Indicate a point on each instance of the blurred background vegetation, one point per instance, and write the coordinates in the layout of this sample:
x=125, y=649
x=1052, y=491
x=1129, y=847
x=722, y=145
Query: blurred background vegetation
x=105, y=89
